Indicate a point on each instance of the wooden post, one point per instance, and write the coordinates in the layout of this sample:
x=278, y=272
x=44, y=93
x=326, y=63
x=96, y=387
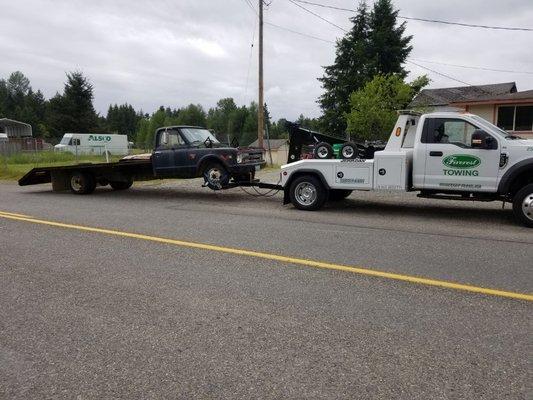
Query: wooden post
x=260, y=106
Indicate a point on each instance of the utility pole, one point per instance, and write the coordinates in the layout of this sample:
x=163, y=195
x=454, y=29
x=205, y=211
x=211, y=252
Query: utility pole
x=261, y=105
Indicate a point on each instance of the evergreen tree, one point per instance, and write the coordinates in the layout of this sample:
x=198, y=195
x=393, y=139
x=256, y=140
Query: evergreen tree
x=374, y=45
x=348, y=73
x=388, y=47
x=73, y=111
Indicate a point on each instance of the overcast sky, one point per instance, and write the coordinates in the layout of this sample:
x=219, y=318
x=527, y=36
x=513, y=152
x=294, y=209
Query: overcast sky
x=176, y=52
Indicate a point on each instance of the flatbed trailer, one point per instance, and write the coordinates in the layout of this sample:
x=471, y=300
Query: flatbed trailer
x=122, y=171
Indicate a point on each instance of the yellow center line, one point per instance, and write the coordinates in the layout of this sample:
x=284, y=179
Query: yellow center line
x=280, y=258
x=14, y=215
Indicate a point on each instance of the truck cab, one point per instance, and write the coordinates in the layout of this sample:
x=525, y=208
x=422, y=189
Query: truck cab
x=441, y=155
x=190, y=152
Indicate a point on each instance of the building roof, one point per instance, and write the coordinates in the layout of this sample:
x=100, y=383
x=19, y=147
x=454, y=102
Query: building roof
x=14, y=128
x=274, y=143
x=517, y=97
x=445, y=96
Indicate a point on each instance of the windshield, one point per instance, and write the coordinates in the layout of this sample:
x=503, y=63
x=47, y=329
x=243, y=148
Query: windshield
x=491, y=126
x=66, y=139
x=198, y=135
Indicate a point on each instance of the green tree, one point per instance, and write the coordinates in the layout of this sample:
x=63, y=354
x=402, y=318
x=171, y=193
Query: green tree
x=388, y=45
x=122, y=120
x=374, y=45
x=193, y=115
x=373, y=108
x=73, y=111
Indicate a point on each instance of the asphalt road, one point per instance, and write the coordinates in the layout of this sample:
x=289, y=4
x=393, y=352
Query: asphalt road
x=87, y=315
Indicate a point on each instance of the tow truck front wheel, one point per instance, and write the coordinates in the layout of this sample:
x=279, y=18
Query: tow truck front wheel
x=523, y=206
x=82, y=183
x=307, y=193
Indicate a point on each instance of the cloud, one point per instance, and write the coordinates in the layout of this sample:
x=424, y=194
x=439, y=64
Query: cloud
x=164, y=52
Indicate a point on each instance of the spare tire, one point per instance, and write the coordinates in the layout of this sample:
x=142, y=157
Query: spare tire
x=349, y=151
x=323, y=151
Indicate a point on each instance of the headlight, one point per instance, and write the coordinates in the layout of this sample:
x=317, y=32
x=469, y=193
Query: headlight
x=239, y=158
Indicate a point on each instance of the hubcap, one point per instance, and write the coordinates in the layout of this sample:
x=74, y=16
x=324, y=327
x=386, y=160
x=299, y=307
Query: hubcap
x=527, y=206
x=76, y=183
x=348, y=152
x=322, y=152
x=213, y=177
x=305, y=193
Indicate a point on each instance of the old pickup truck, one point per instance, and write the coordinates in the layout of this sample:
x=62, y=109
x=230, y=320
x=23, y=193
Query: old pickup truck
x=179, y=152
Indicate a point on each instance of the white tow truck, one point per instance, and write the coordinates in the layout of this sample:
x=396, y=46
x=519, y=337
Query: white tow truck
x=453, y=156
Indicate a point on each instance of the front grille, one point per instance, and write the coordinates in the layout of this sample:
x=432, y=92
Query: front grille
x=252, y=157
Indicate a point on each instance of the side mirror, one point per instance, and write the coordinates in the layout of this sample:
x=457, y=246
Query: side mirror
x=482, y=140
x=164, y=138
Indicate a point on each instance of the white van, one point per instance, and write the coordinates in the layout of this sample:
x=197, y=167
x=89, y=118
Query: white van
x=93, y=143
x=3, y=138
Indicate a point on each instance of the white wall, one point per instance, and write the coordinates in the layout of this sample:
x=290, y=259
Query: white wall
x=485, y=111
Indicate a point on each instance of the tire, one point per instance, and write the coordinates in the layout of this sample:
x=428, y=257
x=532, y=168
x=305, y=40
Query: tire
x=523, y=206
x=121, y=185
x=323, y=151
x=82, y=183
x=307, y=193
x=349, y=151
x=216, y=177
x=339, y=194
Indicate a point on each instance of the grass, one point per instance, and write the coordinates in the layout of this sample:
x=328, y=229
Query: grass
x=17, y=165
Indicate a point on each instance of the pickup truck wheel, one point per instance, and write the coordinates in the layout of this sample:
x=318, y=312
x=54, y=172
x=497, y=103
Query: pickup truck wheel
x=307, y=193
x=82, y=183
x=215, y=176
x=338, y=194
x=121, y=185
x=523, y=206
x=323, y=151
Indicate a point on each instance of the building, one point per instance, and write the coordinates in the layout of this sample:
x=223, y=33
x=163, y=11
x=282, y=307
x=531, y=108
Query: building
x=15, y=129
x=499, y=103
x=279, y=148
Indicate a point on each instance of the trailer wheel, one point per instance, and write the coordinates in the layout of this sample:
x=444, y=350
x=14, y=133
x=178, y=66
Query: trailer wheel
x=523, y=206
x=216, y=177
x=307, y=193
x=82, y=183
x=121, y=185
x=323, y=151
x=338, y=194
x=349, y=151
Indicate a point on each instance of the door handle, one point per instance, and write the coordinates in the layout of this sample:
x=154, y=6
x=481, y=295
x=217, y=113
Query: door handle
x=435, y=153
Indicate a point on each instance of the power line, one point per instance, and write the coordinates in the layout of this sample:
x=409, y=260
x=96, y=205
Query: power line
x=289, y=29
x=439, y=73
x=299, y=33
x=436, y=21
x=318, y=16
x=473, y=67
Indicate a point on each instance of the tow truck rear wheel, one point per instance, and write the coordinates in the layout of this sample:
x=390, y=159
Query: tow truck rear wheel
x=523, y=205
x=82, y=183
x=307, y=193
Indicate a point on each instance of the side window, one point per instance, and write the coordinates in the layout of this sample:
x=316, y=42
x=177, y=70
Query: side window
x=174, y=140
x=450, y=131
